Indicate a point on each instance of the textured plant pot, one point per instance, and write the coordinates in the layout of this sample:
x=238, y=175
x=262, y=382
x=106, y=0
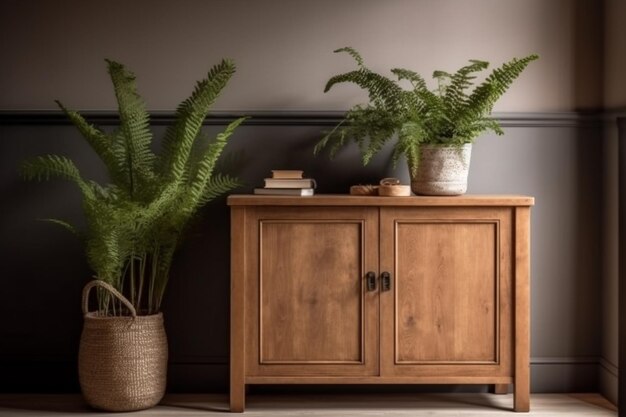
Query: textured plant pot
x=442, y=170
x=122, y=361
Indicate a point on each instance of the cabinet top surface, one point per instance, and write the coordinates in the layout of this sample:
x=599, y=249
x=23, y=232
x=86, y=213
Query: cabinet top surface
x=357, y=200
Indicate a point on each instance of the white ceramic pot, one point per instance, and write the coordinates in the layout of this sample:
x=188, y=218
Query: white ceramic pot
x=442, y=170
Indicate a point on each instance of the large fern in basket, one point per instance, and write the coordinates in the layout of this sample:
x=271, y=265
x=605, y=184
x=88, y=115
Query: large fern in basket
x=450, y=114
x=134, y=223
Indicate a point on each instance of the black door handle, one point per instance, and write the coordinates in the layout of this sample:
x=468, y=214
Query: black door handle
x=370, y=279
x=385, y=281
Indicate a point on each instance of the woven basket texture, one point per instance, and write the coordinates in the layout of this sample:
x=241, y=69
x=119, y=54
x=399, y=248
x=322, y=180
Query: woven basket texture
x=122, y=361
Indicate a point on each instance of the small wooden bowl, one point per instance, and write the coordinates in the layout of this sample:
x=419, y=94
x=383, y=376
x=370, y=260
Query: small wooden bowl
x=394, y=190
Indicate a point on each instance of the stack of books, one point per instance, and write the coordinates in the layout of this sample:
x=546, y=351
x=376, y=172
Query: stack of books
x=287, y=182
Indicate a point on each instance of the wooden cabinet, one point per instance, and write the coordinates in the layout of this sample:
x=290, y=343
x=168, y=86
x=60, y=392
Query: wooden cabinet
x=348, y=290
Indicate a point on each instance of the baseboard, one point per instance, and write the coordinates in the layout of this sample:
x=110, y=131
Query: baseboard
x=569, y=374
x=608, y=380
x=564, y=374
x=59, y=376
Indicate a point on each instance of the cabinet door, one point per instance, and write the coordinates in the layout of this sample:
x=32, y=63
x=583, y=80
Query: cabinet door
x=448, y=311
x=308, y=309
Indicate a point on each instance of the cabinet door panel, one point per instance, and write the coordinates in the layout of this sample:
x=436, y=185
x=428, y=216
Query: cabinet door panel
x=308, y=308
x=446, y=299
x=310, y=292
x=448, y=311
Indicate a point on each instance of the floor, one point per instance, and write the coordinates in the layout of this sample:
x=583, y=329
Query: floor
x=389, y=405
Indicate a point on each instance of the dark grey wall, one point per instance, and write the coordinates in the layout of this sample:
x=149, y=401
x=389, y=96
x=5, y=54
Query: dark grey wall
x=552, y=157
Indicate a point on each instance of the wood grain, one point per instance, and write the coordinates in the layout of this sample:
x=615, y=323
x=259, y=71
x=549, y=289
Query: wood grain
x=457, y=311
x=522, y=309
x=421, y=254
x=237, y=324
x=308, y=311
x=311, y=286
x=374, y=201
x=446, y=299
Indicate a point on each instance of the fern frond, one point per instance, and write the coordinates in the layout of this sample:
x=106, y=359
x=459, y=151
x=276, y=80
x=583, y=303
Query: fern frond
x=482, y=100
x=108, y=238
x=47, y=167
x=381, y=89
x=455, y=96
x=321, y=144
x=67, y=226
x=353, y=53
x=410, y=136
x=134, y=224
x=416, y=80
x=134, y=125
x=190, y=115
x=206, y=164
x=100, y=142
x=216, y=186
x=446, y=115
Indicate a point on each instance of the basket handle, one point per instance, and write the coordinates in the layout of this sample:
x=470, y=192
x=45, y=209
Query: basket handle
x=109, y=288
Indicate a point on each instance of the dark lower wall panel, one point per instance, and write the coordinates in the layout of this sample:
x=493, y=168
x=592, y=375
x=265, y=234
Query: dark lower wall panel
x=42, y=268
x=49, y=376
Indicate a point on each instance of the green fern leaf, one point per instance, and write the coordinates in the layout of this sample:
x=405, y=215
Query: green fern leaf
x=447, y=115
x=218, y=185
x=206, y=164
x=353, y=53
x=134, y=125
x=54, y=166
x=100, y=142
x=190, y=115
x=381, y=89
x=416, y=80
x=482, y=100
x=67, y=226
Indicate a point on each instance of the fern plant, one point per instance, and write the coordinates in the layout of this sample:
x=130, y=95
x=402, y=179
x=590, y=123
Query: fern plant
x=134, y=223
x=447, y=115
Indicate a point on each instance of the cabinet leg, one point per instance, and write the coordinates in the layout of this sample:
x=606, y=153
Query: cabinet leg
x=521, y=397
x=237, y=398
x=499, y=388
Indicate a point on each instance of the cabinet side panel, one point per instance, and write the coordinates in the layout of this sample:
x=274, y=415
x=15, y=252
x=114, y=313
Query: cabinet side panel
x=447, y=292
x=237, y=313
x=522, y=309
x=311, y=292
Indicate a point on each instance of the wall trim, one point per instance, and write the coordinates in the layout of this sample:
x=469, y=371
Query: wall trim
x=565, y=360
x=548, y=374
x=609, y=367
x=292, y=118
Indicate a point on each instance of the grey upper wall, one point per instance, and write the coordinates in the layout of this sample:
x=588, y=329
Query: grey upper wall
x=283, y=49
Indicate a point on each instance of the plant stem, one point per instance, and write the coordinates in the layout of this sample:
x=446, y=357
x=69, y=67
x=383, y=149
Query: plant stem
x=142, y=272
x=153, y=272
x=132, y=278
x=122, y=282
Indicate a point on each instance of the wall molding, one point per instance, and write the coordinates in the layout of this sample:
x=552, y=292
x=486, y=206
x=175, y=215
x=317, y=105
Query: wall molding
x=204, y=373
x=609, y=367
x=295, y=118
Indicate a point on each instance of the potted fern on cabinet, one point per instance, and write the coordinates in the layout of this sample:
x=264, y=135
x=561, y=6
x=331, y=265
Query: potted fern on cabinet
x=134, y=225
x=434, y=130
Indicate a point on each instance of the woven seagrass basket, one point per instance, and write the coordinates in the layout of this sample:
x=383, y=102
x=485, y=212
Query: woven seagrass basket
x=122, y=361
